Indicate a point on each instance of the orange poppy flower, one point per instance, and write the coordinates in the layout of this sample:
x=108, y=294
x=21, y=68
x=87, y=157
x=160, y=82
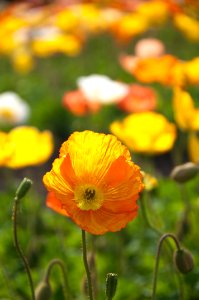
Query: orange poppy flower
x=94, y=182
x=76, y=102
x=138, y=99
x=155, y=69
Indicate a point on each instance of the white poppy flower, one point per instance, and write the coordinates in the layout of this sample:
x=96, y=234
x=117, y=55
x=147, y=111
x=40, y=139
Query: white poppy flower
x=100, y=88
x=13, y=110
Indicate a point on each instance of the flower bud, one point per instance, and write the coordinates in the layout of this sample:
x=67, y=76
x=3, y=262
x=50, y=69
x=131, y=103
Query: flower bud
x=43, y=291
x=111, y=285
x=183, y=261
x=23, y=188
x=185, y=172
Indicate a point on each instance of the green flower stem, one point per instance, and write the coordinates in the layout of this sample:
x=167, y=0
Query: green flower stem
x=18, y=248
x=146, y=217
x=90, y=290
x=60, y=263
x=163, y=237
x=159, y=233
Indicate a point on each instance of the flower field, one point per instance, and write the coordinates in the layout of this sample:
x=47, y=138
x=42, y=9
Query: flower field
x=99, y=150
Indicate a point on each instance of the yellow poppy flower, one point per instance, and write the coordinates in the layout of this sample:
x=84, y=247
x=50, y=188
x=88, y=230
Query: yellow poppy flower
x=192, y=71
x=186, y=115
x=6, y=148
x=147, y=132
x=155, y=12
x=31, y=147
x=94, y=182
x=129, y=26
x=188, y=26
x=193, y=147
x=22, y=60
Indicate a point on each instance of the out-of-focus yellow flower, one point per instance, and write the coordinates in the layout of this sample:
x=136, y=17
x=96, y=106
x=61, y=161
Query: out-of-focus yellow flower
x=9, y=25
x=67, y=20
x=193, y=146
x=89, y=17
x=155, y=12
x=148, y=132
x=6, y=148
x=30, y=147
x=69, y=44
x=192, y=71
x=52, y=41
x=150, y=182
x=188, y=26
x=22, y=60
x=129, y=26
x=186, y=115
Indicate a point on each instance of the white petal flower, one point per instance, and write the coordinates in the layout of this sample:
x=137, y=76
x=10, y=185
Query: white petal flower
x=100, y=88
x=13, y=110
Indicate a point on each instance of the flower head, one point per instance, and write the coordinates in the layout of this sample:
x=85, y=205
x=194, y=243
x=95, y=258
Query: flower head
x=29, y=147
x=149, y=47
x=102, y=89
x=138, y=99
x=76, y=102
x=13, y=110
x=147, y=132
x=193, y=147
x=94, y=182
x=186, y=115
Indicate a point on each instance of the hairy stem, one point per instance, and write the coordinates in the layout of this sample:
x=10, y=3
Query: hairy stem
x=90, y=290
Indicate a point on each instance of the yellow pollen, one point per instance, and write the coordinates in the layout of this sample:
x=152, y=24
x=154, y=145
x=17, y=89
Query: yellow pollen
x=88, y=197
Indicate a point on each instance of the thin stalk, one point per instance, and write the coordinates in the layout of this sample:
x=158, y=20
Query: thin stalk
x=59, y=262
x=90, y=290
x=164, y=236
x=18, y=248
x=146, y=217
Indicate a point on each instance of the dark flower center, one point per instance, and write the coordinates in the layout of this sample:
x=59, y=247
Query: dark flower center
x=89, y=194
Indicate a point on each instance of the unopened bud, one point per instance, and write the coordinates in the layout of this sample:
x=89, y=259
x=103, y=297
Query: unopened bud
x=183, y=261
x=111, y=285
x=185, y=172
x=43, y=291
x=23, y=188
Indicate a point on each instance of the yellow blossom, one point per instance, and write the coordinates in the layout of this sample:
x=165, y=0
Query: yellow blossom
x=30, y=147
x=155, y=12
x=192, y=70
x=22, y=60
x=67, y=20
x=150, y=182
x=129, y=26
x=188, y=26
x=148, y=132
x=6, y=148
x=186, y=115
x=193, y=147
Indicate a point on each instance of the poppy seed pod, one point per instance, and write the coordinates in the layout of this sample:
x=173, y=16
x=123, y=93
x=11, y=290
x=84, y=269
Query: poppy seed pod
x=43, y=291
x=185, y=172
x=111, y=285
x=183, y=260
x=23, y=188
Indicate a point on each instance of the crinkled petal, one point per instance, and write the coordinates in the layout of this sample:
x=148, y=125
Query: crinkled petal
x=92, y=154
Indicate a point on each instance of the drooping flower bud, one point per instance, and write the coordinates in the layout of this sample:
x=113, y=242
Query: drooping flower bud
x=183, y=260
x=43, y=291
x=23, y=188
x=111, y=285
x=185, y=172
